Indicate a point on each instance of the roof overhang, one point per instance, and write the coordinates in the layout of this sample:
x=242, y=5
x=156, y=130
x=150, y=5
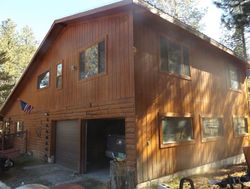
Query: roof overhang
x=166, y=17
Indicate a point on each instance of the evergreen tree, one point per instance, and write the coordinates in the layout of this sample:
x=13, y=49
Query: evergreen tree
x=185, y=10
x=232, y=39
x=6, y=82
x=27, y=47
x=8, y=44
x=236, y=17
x=18, y=48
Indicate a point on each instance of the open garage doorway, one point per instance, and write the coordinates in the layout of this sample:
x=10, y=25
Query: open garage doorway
x=104, y=137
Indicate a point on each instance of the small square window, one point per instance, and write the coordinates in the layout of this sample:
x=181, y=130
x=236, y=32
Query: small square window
x=92, y=60
x=174, y=58
x=43, y=80
x=212, y=127
x=240, y=125
x=59, y=69
x=176, y=129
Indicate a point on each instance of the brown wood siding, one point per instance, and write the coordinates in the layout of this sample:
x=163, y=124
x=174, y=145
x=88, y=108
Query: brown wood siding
x=113, y=95
x=159, y=93
x=117, y=83
x=109, y=95
x=68, y=144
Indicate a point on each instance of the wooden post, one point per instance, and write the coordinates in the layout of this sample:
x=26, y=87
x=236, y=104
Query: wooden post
x=83, y=153
x=3, y=135
x=2, y=141
x=53, y=140
x=26, y=141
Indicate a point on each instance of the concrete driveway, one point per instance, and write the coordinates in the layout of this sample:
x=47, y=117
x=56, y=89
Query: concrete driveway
x=30, y=171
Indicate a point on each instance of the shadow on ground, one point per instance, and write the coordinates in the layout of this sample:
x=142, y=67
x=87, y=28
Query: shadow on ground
x=201, y=181
x=29, y=171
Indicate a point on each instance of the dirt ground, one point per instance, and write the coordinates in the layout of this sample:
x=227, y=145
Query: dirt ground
x=29, y=171
x=204, y=181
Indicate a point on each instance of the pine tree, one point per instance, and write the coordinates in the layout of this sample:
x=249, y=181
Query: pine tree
x=185, y=10
x=6, y=83
x=19, y=47
x=16, y=49
x=236, y=17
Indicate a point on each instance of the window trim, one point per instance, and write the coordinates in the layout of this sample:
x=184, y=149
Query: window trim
x=211, y=139
x=105, y=39
x=239, y=77
x=60, y=62
x=40, y=89
x=182, y=45
x=236, y=134
x=175, y=143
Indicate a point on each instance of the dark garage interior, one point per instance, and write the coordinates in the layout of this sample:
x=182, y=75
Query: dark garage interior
x=98, y=132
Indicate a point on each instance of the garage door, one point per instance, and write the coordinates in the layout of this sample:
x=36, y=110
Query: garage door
x=68, y=144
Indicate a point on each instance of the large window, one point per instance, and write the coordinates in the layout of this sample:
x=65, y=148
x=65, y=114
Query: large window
x=59, y=68
x=234, y=75
x=174, y=58
x=92, y=60
x=43, y=80
x=176, y=129
x=212, y=127
x=240, y=125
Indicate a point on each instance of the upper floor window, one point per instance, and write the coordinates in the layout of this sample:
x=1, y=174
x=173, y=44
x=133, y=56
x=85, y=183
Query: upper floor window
x=176, y=129
x=234, y=75
x=59, y=68
x=174, y=58
x=212, y=127
x=43, y=80
x=240, y=125
x=92, y=60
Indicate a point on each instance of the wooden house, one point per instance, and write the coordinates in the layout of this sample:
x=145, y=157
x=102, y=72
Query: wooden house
x=128, y=69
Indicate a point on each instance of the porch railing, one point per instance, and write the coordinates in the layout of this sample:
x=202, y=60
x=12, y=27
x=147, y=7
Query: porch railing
x=7, y=141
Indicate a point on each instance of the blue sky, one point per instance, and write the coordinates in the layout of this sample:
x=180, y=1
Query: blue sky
x=39, y=15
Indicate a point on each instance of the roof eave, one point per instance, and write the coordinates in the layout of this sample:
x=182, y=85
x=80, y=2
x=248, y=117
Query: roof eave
x=189, y=29
x=113, y=6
